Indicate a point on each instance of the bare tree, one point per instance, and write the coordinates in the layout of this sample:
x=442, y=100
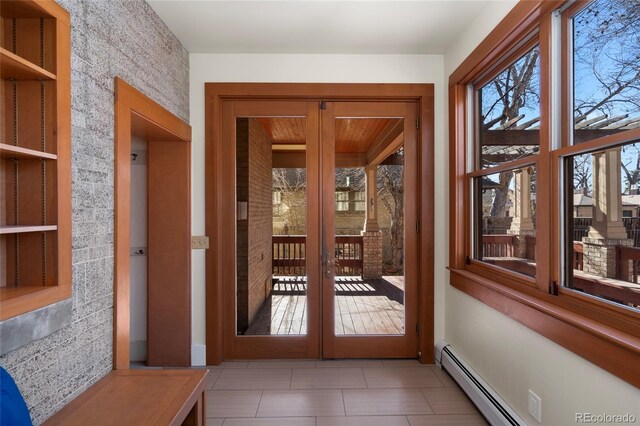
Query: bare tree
x=607, y=58
x=291, y=184
x=582, y=174
x=631, y=167
x=391, y=195
x=503, y=100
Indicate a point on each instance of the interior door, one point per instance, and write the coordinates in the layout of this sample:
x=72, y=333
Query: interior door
x=271, y=203
x=369, y=229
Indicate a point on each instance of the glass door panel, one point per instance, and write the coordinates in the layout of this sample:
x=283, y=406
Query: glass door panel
x=271, y=226
x=271, y=295
x=364, y=230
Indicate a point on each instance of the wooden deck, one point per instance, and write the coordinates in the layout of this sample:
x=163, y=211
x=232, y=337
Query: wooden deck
x=363, y=307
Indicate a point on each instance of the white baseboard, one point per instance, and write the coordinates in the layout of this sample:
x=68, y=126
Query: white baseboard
x=198, y=355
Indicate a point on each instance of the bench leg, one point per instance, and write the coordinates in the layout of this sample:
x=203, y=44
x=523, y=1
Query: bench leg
x=198, y=414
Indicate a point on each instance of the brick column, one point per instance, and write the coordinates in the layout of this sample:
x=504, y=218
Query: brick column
x=371, y=255
x=522, y=224
x=607, y=230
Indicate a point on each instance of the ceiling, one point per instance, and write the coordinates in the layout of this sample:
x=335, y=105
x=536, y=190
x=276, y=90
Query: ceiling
x=317, y=26
x=353, y=135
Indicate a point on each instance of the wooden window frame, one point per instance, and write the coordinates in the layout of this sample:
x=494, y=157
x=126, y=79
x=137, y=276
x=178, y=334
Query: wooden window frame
x=599, y=331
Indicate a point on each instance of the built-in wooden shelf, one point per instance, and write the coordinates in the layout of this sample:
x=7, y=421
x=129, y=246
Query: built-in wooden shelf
x=18, y=153
x=20, y=229
x=7, y=293
x=17, y=68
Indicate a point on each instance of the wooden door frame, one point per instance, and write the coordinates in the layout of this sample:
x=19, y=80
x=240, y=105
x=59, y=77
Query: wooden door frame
x=138, y=114
x=216, y=93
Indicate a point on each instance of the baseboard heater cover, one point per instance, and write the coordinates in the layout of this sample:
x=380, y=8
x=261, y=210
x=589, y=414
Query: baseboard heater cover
x=493, y=408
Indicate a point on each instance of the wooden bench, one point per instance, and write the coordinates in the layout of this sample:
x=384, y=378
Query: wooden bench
x=139, y=397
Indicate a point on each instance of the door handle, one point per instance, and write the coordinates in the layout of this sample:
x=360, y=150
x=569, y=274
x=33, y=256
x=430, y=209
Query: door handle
x=327, y=269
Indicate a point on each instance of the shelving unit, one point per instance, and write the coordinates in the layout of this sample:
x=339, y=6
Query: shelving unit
x=35, y=156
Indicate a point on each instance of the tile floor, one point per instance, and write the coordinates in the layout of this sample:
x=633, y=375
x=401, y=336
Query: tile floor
x=336, y=393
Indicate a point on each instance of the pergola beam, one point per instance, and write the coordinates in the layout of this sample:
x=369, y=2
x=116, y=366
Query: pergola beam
x=532, y=137
x=297, y=160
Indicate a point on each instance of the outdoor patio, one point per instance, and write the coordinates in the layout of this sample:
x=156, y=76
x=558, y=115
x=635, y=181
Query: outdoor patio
x=363, y=307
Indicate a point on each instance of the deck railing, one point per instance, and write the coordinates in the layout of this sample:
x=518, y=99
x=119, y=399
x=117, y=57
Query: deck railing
x=498, y=246
x=289, y=255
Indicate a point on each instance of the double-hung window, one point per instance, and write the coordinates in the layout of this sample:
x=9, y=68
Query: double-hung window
x=545, y=175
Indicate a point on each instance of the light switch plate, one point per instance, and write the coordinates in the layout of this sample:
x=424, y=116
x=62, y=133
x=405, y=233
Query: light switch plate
x=535, y=406
x=199, y=242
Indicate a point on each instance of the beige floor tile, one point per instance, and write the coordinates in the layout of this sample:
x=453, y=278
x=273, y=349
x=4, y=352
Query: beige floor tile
x=282, y=364
x=212, y=377
x=401, y=377
x=353, y=363
x=299, y=403
x=363, y=421
x=449, y=401
x=214, y=421
x=401, y=363
x=234, y=364
x=254, y=378
x=448, y=420
x=360, y=402
x=444, y=377
x=327, y=378
x=273, y=421
x=232, y=403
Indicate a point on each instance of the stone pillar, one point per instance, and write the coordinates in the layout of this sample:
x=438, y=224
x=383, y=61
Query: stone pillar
x=522, y=224
x=371, y=210
x=371, y=255
x=607, y=230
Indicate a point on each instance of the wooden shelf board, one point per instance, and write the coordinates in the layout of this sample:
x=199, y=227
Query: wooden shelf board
x=20, y=229
x=15, y=67
x=18, y=153
x=7, y=293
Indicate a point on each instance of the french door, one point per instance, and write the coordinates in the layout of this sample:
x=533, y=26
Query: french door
x=322, y=248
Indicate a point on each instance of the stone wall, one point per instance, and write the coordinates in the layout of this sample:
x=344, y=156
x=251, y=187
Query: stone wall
x=260, y=217
x=122, y=38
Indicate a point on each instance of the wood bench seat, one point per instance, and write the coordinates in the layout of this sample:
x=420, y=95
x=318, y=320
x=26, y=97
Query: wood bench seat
x=139, y=397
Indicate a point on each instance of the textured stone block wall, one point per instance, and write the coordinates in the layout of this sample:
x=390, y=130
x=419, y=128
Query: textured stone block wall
x=108, y=38
x=260, y=216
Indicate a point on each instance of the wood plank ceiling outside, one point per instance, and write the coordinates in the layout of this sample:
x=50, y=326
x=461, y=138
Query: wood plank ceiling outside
x=353, y=135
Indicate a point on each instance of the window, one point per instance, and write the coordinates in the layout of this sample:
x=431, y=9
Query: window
x=506, y=125
x=342, y=201
x=554, y=105
x=360, y=201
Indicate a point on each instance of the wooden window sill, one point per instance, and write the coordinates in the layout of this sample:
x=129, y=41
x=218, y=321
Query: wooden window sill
x=610, y=348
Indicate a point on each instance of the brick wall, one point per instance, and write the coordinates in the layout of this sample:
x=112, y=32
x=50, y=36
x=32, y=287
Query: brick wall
x=108, y=38
x=260, y=216
x=254, y=185
x=242, y=226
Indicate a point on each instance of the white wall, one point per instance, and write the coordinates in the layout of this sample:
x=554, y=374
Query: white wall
x=307, y=69
x=508, y=355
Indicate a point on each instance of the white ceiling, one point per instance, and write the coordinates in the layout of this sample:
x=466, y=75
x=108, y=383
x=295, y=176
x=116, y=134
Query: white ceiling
x=317, y=26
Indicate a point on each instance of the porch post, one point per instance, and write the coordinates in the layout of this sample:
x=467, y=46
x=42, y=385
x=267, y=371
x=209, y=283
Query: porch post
x=371, y=210
x=522, y=224
x=371, y=235
x=607, y=229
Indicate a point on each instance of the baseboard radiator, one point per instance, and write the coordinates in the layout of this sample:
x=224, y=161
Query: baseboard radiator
x=494, y=409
